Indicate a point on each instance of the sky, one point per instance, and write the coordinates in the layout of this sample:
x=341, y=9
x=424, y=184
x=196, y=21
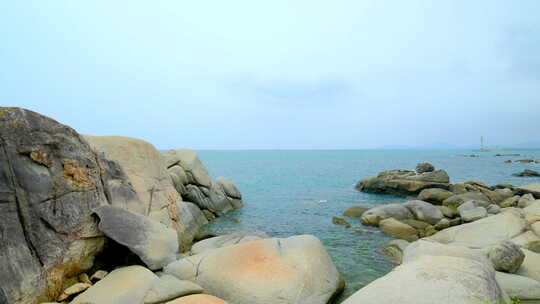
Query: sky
x=278, y=74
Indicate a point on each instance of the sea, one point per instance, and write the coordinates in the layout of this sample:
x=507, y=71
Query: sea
x=292, y=192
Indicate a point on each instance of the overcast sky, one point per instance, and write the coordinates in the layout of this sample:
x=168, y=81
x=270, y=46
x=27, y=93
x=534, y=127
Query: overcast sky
x=278, y=74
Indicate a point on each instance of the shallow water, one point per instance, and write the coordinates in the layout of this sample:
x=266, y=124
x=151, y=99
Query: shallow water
x=289, y=192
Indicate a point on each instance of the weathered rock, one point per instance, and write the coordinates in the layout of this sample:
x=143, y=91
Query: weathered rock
x=456, y=200
x=510, y=202
x=195, y=170
x=98, y=275
x=154, y=243
x=179, y=179
x=424, y=211
x=402, y=182
x=525, y=200
x=339, y=221
x=50, y=180
x=468, y=205
x=125, y=285
x=531, y=265
x=168, y=287
x=198, y=299
x=434, y=195
x=519, y=286
x=485, y=232
x=398, y=229
x=471, y=215
x=229, y=188
x=226, y=240
x=374, y=215
x=424, y=167
x=458, y=188
x=493, y=209
x=393, y=250
x=355, y=211
x=298, y=269
x=506, y=256
x=433, y=279
x=426, y=247
x=528, y=240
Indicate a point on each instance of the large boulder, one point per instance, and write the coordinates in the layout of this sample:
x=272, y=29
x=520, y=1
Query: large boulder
x=425, y=212
x=533, y=188
x=458, y=199
x=398, y=229
x=168, y=287
x=434, y=195
x=528, y=240
x=153, y=242
x=403, y=182
x=374, y=215
x=424, y=167
x=226, y=240
x=50, y=180
x=196, y=171
x=292, y=270
x=355, y=211
x=425, y=247
x=198, y=299
x=506, y=256
x=125, y=285
x=519, y=286
x=485, y=232
x=433, y=279
x=531, y=265
x=229, y=188
x=394, y=249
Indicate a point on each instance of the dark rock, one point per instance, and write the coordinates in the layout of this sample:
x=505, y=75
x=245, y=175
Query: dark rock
x=424, y=167
x=527, y=173
x=507, y=154
x=339, y=221
x=507, y=161
x=524, y=161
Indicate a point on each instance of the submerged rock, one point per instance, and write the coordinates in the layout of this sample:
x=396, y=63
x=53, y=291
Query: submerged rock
x=339, y=221
x=527, y=173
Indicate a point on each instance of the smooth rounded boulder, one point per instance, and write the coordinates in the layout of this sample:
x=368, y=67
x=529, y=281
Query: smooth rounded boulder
x=506, y=256
x=434, y=195
x=226, y=240
x=433, y=279
x=374, y=215
x=291, y=270
x=424, y=211
x=398, y=229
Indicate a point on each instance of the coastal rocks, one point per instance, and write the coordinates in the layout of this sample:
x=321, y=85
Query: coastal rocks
x=433, y=279
x=434, y=195
x=519, y=286
x=473, y=214
x=531, y=265
x=154, y=243
x=398, y=229
x=355, y=211
x=374, y=215
x=527, y=173
x=510, y=202
x=226, y=240
x=341, y=222
x=525, y=200
x=506, y=257
x=528, y=240
x=292, y=270
x=125, y=285
x=198, y=299
x=168, y=288
x=195, y=170
x=394, y=249
x=533, y=188
x=403, y=182
x=424, y=167
x=426, y=247
x=425, y=212
x=50, y=180
x=485, y=232
x=456, y=200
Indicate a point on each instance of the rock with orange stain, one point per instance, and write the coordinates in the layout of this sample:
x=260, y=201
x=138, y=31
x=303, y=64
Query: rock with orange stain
x=278, y=271
x=198, y=299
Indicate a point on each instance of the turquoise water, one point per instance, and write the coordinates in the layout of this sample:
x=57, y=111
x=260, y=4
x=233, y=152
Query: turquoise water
x=290, y=192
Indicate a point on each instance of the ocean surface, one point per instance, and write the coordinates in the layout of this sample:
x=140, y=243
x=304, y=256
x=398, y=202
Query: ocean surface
x=290, y=192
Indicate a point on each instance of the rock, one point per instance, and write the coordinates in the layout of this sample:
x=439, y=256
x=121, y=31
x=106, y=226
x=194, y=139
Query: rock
x=229, y=188
x=442, y=224
x=168, y=288
x=402, y=182
x=458, y=188
x=393, y=250
x=525, y=200
x=298, y=269
x=374, y=215
x=83, y=278
x=98, y=275
x=468, y=205
x=426, y=247
x=521, y=287
x=433, y=279
x=485, y=232
x=339, y=221
x=456, y=200
x=226, y=240
x=510, y=202
x=471, y=215
x=532, y=212
x=195, y=170
x=73, y=290
x=531, y=265
x=506, y=256
x=533, y=188
x=448, y=212
x=504, y=186
x=434, y=195
x=398, y=229
x=493, y=209
x=508, y=161
x=455, y=221
x=425, y=212
x=424, y=167
x=355, y=211
x=525, y=161
x=125, y=285
x=50, y=180
x=179, y=179
x=527, y=173
x=154, y=243
x=198, y=299
x=528, y=240
x=418, y=225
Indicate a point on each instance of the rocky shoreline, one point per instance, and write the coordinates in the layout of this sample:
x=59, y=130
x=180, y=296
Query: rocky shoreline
x=482, y=243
